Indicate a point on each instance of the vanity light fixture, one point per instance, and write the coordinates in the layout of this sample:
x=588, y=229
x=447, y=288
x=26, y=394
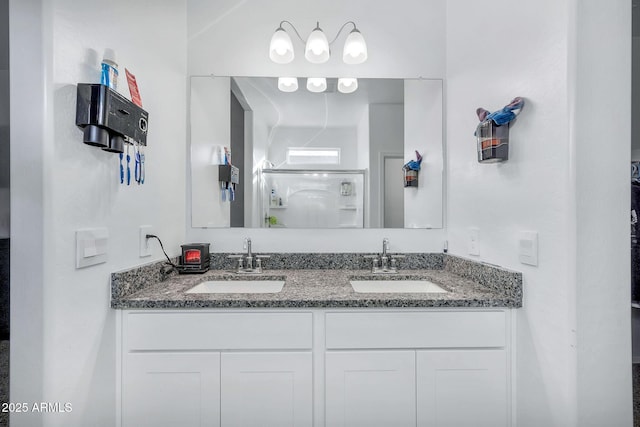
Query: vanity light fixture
x=288, y=84
x=317, y=47
x=355, y=48
x=347, y=84
x=316, y=84
x=281, y=47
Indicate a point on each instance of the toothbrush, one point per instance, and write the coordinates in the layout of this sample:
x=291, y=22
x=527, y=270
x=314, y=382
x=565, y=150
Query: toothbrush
x=121, y=170
x=138, y=173
x=141, y=165
x=128, y=168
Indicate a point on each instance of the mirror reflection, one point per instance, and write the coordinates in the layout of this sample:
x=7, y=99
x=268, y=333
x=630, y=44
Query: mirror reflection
x=265, y=157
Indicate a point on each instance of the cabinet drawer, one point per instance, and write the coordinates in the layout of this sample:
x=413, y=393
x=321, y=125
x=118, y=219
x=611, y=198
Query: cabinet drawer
x=216, y=331
x=442, y=329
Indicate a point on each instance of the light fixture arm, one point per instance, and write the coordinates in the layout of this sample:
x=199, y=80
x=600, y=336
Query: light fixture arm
x=294, y=29
x=317, y=26
x=342, y=28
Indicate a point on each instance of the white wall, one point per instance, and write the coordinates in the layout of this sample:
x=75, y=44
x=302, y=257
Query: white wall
x=386, y=136
x=573, y=358
x=260, y=139
x=27, y=206
x=394, y=31
x=602, y=77
x=363, y=159
x=423, y=107
x=210, y=132
x=62, y=329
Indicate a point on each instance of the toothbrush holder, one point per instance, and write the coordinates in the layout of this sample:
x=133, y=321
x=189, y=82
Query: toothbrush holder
x=493, y=142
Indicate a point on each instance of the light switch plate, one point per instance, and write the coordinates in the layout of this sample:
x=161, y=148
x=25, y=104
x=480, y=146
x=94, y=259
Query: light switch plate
x=91, y=246
x=474, y=242
x=528, y=247
x=145, y=244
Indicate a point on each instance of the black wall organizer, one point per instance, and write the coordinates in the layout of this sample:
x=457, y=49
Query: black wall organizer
x=107, y=118
x=229, y=174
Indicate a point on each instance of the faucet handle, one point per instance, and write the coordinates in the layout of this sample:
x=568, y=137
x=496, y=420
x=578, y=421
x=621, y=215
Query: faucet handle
x=240, y=259
x=374, y=258
x=397, y=256
x=262, y=256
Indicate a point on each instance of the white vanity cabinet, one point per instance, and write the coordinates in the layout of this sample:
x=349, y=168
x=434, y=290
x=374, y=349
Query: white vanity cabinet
x=322, y=367
x=266, y=389
x=431, y=368
x=462, y=388
x=371, y=388
x=208, y=368
x=171, y=389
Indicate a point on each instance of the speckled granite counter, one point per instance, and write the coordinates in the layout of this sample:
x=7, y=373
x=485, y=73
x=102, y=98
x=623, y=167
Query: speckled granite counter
x=468, y=284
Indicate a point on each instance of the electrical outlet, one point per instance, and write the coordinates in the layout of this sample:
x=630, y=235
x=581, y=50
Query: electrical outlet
x=145, y=244
x=474, y=243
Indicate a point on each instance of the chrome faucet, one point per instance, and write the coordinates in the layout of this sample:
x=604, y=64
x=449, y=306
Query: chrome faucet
x=247, y=246
x=383, y=258
x=250, y=267
x=388, y=264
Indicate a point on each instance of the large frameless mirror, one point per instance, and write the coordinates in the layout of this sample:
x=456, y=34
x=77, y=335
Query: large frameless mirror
x=263, y=157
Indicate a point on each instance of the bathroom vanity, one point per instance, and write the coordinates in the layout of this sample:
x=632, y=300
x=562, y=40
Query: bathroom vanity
x=318, y=353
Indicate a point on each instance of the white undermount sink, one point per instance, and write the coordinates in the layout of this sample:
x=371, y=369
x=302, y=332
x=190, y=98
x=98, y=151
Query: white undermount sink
x=395, y=286
x=238, y=287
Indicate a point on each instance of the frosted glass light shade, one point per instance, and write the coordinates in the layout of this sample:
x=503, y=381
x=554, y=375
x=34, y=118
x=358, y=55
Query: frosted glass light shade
x=288, y=84
x=347, y=84
x=355, y=48
x=281, y=48
x=316, y=84
x=317, y=49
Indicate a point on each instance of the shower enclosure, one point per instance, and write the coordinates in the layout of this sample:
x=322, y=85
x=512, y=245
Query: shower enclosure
x=296, y=198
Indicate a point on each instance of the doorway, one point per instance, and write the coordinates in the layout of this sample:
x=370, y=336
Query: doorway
x=237, y=158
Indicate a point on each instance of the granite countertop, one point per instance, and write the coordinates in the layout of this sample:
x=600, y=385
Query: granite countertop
x=467, y=285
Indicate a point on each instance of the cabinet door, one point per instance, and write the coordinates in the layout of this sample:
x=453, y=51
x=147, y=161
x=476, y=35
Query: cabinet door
x=267, y=389
x=171, y=389
x=458, y=388
x=370, y=388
